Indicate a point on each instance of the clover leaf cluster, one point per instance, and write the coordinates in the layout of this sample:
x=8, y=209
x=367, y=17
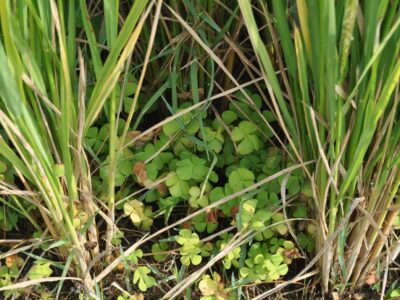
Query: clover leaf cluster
x=196, y=160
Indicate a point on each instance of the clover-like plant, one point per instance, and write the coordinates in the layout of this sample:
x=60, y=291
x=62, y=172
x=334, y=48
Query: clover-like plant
x=264, y=235
x=8, y=273
x=245, y=135
x=182, y=144
x=159, y=251
x=306, y=241
x=254, y=161
x=288, y=252
x=251, y=217
x=197, y=200
x=142, y=278
x=240, y=179
x=243, y=108
x=274, y=243
x=228, y=209
x=276, y=267
x=262, y=266
x=190, y=249
x=232, y=258
x=139, y=214
x=212, y=288
x=228, y=155
x=206, y=222
x=136, y=296
x=273, y=160
x=260, y=219
x=177, y=187
x=213, y=138
x=293, y=185
x=280, y=227
x=247, y=212
x=206, y=249
x=192, y=168
x=133, y=258
x=40, y=269
x=96, y=139
x=5, y=278
x=300, y=211
x=229, y=116
x=117, y=238
x=185, y=122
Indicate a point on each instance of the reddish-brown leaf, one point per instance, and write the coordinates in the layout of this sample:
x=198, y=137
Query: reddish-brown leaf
x=162, y=188
x=14, y=260
x=212, y=217
x=140, y=171
x=292, y=253
x=234, y=211
x=186, y=225
x=133, y=135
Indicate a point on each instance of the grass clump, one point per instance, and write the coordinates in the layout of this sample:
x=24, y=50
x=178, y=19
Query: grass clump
x=336, y=96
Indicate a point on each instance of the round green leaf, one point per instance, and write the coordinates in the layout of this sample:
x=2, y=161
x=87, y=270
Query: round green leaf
x=247, y=127
x=196, y=260
x=40, y=270
x=229, y=116
x=170, y=128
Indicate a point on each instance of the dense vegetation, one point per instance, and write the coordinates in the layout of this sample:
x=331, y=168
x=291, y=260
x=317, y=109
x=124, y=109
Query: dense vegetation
x=199, y=149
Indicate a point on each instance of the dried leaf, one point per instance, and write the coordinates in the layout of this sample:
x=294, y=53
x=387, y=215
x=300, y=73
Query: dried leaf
x=212, y=217
x=14, y=259
x=292, y=253
x=162, y=188
x=234, y=211
x=140, y=171
x=371, y=278
x=186, y=225
x=131, y=135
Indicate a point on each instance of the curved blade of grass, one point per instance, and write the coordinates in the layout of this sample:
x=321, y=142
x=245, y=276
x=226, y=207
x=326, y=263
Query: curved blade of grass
x=112, y=68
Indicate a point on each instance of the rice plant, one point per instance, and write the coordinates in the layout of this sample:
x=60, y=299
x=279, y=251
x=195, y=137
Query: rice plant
x=45, y=114
x=336, y=98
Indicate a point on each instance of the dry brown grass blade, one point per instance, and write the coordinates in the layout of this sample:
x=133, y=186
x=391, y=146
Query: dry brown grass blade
x=371, y=232
x=14, y=251
x=82, y=168
x=369, y=257
x=321, y=150
x=29, y=82
x=327, y=257
x=24, y=284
